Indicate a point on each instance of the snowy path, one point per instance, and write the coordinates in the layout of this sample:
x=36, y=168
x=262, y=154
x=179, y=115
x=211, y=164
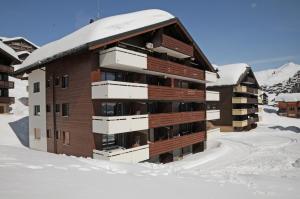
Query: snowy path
x=261, y=163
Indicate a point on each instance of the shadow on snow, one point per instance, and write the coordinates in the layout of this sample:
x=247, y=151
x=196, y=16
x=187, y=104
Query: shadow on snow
x=20, y=128
x=289, y=128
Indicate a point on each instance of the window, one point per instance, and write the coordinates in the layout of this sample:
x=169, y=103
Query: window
x=57, y=134
x=49, y=133
x=292, y=108
x=65, y=110
x=65, y=81
x=57, y=108
x=66, y=138
x=36, y=87
x=56, y=81
x=48, y=108
x=48, y=83
x=37, y=133
x=37, y=111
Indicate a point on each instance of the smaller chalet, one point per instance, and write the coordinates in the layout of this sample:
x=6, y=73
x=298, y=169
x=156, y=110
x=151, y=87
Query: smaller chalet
x=288, y=104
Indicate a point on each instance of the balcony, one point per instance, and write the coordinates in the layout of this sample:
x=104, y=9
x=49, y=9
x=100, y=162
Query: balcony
x=132, y=155
x=119, y=90
x=244, y=111
x=163, y=146
x=245, y=89
x=210, y=76
x=168, y=119
x=173, y=47
x=6, y=69
x=249, y=80
x=123, y=59
x=244, y=100
x=172, y=68
x=212, y=114
x=168, y=93
x=7, y=84
x=212, y=96
x=7, y=100
x=119, y=124
x=240, y=124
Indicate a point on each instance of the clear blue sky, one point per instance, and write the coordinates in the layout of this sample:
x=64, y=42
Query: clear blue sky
x=263, y=33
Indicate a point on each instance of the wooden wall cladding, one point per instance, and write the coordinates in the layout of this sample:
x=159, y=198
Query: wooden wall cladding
x=164, y=146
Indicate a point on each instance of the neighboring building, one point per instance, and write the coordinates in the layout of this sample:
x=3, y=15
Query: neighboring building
x=127, y=88
x=264, y=97
x=20, y=45
x=7, y=58
x=288, y=104
x=238, y=98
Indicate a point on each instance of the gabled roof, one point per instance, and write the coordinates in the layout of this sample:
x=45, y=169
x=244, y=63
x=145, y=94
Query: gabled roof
x=9, y=52
x=9, y=39
x=288, y=97
x=102, y=32
x=232, y=74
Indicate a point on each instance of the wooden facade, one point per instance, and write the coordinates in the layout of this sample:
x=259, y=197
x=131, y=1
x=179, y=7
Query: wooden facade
x=289, y=109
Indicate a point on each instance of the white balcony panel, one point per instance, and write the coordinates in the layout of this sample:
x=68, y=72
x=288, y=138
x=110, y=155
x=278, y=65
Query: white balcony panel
x=133, y=155
x=120, y=124
x=119, y=90
x=212, y=96
x=212, y=114
x=120, y=58
x=210, y=76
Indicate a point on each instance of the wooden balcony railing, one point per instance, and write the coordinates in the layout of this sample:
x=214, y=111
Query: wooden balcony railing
x=7, y=100
x=163, y=146
x=252, y=100
x=167, y=119
x=7, y=84
x=176, y=45
x=168, y=67
x=252, y=110
x=168, y=93
x=6, y=69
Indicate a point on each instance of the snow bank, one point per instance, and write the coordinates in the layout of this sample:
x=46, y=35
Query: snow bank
x=97, y=30
x=229, y=74
x=288, y=97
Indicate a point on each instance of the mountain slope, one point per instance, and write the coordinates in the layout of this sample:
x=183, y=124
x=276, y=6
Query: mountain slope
x=280, y=75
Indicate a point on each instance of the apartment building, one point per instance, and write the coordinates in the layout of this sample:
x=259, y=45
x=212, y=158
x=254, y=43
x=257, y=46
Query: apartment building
x=7, y=58
x=238, y=102
x=128, y=88
x=288, y=104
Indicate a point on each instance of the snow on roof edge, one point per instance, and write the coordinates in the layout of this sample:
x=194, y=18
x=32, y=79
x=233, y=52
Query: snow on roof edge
x=96, y=31
x=8, y=50
x=288, y=97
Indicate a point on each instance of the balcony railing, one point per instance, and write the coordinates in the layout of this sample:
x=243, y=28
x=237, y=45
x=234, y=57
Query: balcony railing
x=6, y=69
x=212, y=114
x=7, y=100
x=245, y=89
x=164, y=146
x=240, y=124
x=132, y=155
x=212, y=96
x=244, y=111
x=168, y=67
x=173, y=47
x=168, y=119
x=123, y=59
x=119, y=90
x=210, y=76
x=244, y=100
x=119, y=124
x=168, y=93
x=7, y=84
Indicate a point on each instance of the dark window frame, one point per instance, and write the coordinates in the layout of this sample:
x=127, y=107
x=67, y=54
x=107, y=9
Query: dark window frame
x=65, y=81
x=65, y=110
x=36, y=87
x=37, y=110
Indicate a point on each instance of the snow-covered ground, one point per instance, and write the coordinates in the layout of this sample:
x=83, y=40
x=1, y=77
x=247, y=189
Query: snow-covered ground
x=262, y=163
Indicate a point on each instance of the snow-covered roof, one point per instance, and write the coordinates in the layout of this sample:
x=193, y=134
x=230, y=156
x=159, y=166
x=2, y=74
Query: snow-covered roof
x=100, y=29
x=8, y=50
x=288, y=97
x=23, y=52
x=229, y=74
x=7, y=39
